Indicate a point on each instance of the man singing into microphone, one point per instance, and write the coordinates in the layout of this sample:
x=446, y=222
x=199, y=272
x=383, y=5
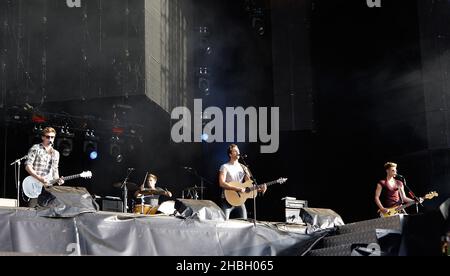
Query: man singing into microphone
x=391, y=190
x=42, y=160
x=233, y=171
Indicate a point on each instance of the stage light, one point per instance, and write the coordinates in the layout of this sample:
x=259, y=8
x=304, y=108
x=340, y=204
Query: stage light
x=65, y=146
x=64, y=141
x=115, y=149
x=205, y=44
x=205, y=137
x=258, y=21
x=203, y=85
x=203, y=81
x=91, y=144
x=93, y=155
x=90, y=148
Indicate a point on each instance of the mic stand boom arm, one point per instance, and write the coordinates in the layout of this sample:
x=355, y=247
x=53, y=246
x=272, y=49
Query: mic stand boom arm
x=18, y=162
x=125, y=192
x=202, y=181
x=411, y=193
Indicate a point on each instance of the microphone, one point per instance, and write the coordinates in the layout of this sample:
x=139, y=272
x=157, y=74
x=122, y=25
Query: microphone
x=242, y=155
x=399, y=176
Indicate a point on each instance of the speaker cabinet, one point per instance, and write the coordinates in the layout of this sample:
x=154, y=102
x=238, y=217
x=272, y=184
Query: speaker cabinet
x=199, y=209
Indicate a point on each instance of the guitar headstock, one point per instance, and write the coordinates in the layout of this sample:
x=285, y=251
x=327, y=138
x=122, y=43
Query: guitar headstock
x=431, y=195
x=86, y=174
x=282, y=180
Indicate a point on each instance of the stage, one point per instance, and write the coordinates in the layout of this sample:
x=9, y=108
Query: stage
x=116, y=234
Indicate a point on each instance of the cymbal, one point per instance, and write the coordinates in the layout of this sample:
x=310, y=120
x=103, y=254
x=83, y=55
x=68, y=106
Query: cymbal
x=195, y=188
x=130, y=185
x=152, y=192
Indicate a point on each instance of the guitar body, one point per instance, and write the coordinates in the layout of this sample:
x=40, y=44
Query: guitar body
x=398, y=210
x=394, y=211
x=237, y=198
x=32, y=187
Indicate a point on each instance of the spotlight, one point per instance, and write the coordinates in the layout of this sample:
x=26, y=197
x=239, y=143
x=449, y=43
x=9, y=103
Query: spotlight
x=203, y=81
x=258, y=21
x=65, y=142
x=115, y=149
x=205, y=137
x=203, y=85
x=90, y=146
x=258, y=25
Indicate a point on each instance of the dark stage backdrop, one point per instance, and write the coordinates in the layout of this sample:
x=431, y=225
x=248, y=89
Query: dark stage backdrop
x=357, y=87
x=115, y=67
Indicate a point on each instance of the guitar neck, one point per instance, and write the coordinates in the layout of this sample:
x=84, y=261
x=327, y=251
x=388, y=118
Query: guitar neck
x=260, y=186
x=66, y=178
x=409, y=204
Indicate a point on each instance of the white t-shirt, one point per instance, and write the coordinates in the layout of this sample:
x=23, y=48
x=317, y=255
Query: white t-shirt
x=233, y=173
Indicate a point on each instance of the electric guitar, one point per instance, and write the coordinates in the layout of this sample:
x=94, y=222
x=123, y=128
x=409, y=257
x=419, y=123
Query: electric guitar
x=235, y=198
x=400, y=209
x=33, y=187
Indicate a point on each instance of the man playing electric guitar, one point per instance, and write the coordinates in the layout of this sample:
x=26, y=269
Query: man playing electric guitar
x=42, y=160
x=233, y=171
x=391, y=191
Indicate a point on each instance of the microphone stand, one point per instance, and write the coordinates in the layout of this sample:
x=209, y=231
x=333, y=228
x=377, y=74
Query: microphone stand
x=125, y=191
x=255, y=190
x=202, y=181
x=411, y=193
x=18, y=162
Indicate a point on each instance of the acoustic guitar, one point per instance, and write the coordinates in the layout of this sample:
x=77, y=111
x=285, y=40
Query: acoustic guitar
x=235, y=198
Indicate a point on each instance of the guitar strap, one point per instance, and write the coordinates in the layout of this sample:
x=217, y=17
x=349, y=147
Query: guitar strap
x=399, y=192
x=246, y=171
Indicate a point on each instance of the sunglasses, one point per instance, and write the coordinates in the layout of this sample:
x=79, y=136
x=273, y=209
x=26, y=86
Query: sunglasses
x=49, y=137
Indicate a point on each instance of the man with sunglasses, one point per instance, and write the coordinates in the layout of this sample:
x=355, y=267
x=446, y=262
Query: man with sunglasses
x=43, y=160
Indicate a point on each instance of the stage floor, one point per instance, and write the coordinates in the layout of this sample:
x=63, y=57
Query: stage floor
x=115, y=234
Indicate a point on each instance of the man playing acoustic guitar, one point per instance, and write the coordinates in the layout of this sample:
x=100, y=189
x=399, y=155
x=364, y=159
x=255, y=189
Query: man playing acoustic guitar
x=43, y=159
x=391, y=191
x=233, y=171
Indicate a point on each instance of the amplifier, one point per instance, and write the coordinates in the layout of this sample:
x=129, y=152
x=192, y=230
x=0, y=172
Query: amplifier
x=294, y=203
x=5, y=202
x=293, y=207
x=110, y=204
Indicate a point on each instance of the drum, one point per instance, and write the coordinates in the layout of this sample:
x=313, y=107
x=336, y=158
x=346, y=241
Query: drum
x=144, y=209
x=167, y=207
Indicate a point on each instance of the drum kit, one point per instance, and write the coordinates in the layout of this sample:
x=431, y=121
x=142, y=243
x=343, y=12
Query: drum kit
x=167, y=207
x=140, y=207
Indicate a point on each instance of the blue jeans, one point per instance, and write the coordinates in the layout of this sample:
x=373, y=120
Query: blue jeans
x=240, y=211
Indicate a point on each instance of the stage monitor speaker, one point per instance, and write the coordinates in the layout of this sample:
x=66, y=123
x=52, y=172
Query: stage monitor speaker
x=64, y=201
x=199, y=209
x=321, y=218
